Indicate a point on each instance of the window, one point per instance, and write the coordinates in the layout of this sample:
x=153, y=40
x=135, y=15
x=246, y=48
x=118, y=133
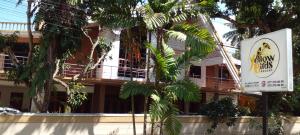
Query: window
x=20, y=50
x=137, y=52
x=223, y=73
x=195, y=71
x=16, y=100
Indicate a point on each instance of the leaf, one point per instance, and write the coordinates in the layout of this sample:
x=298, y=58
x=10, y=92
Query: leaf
x=153, y=20
x=184, y=90
x=165, y=62
x=198, y=41
x=172, y=125
x=133, y=88
x=158, y=107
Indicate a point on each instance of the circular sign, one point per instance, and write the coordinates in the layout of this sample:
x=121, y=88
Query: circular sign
x=264, y=57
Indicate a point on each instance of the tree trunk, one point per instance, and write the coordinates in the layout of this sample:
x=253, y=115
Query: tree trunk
x=152, y=127
x=157, y=77
x=161, y=127
x=147, y=82
x=145, y=115
x=131, y=79
x=49, y=82
x=186, y=76
x=30, y=37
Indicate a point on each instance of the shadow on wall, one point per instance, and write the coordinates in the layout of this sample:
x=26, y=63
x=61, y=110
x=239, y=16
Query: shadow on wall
x=46, y=124
x=120, y=124
x=41, y=125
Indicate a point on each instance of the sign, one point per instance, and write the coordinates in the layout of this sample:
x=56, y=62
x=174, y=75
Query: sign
x=267, y=62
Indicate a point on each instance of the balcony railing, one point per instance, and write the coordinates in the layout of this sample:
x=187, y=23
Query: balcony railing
x=70, y=70
x=14, y=26
x=6, y=63
x=220, y=83
x=125, y=71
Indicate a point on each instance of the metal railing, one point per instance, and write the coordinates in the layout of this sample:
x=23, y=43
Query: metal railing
x=14, y=26
x=6, y=63
x=70, y=70
x=125, y=71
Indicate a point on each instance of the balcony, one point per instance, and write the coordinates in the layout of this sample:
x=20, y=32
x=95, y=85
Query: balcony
x=14, y=26
x=6, y=63
x=69, y=70
x=220, y=84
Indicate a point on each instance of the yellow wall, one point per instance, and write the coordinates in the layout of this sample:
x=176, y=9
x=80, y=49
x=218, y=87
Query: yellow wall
x=110, y=124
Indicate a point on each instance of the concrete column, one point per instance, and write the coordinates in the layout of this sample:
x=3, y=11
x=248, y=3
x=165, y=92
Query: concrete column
x=203, y=76
x=102, y=99
x=98, y=98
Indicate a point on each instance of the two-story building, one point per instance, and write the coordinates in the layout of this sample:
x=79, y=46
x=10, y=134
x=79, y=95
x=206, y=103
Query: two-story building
x=214, y=75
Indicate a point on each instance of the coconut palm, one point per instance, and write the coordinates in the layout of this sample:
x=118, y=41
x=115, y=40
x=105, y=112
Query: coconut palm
x=166, y=18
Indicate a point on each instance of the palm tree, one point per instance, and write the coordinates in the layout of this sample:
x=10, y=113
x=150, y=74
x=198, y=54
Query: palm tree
x=158, y=17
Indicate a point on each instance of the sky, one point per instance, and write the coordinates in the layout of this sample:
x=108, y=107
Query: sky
x=9, y=12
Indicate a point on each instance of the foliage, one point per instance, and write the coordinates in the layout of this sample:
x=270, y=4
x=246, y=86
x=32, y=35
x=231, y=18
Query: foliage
x=184, y=90
x=198, y=40
x=221, y=111
x=165, y=63
x=275, y=126
x=161, y=109
x=133, y=88
x=76, y=95
x=114, y=13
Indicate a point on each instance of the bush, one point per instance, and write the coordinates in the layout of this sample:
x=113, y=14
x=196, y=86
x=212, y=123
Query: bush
x=222, y=111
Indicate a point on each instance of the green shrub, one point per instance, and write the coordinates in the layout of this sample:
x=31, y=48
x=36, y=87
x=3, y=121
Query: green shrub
x=222, y=111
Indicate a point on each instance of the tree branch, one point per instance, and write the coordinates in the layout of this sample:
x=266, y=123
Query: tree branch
x=58, y=80
x=90, y=65
x=234, y=22
x=30, y=36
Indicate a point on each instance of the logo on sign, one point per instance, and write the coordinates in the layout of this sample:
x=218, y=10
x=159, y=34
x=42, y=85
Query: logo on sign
x=264, y=57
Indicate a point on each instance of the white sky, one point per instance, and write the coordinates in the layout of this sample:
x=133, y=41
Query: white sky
x=221, y=29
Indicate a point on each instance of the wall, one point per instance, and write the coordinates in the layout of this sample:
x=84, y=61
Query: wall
x=6, y=95
x=120, y=124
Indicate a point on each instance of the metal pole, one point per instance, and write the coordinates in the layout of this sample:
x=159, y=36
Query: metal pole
x=265, y=113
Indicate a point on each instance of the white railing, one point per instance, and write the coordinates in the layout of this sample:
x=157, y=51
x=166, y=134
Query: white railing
x=6, y=62
x=103, y=72
x=70, y=70
x=125, y=71
x=14, y=26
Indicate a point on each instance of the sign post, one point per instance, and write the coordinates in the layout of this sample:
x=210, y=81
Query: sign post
x=265, y=113
x=267, y=66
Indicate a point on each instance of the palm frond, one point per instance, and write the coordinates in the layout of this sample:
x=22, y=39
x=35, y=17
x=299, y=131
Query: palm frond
x=179, y=17
x=166, y=63
x=198, y=41
x=196, y=34
x=176, y=35
x=158, y=107
x=133, y=88
x=172, y=125
x=159, y=6
x=153, y=20
x=184, y=90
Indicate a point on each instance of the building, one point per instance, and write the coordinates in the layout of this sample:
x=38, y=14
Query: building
x=216, y=75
